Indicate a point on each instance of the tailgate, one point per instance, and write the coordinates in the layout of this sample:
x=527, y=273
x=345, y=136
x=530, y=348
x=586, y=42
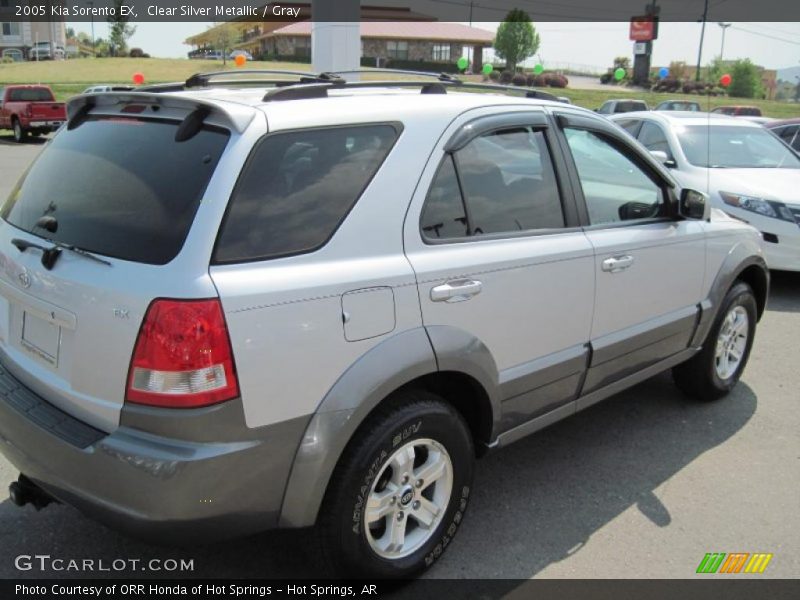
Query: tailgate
x=48, y=111
x=126, y=192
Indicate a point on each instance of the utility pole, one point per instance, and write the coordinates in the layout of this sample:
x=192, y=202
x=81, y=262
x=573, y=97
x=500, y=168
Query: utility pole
x=470, y=48
x=724, y=26
x=702, y=35
x=94, y=48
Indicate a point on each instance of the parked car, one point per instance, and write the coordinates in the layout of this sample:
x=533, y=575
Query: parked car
x=245, y=53
x=100, y=88
x=788, y=130
x=611, y=107
x=738, y=111
x=684, y=105
x=749, y=174
x=214, y=55
x=30, y=109
x=758, y=120
x=46, y=51
x=239, y=309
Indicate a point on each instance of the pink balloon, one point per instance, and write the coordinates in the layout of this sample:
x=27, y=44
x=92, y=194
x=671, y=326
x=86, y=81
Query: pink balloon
x=725, y=80
x=138, y=78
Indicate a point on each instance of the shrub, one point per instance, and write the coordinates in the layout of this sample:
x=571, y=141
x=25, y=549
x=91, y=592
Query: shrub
x=557, y=80
x=494, y=76
x=506, y=77
x=6, y=60
x=136, y=53
x=519, y=80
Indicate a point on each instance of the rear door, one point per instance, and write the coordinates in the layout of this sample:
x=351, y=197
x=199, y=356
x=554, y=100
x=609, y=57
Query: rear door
x=649, y=265
x=123, y=189
x=492, y=236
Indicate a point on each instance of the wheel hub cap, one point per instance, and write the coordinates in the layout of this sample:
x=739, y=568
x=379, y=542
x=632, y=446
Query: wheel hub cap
x=731, y=342
x=408, y=498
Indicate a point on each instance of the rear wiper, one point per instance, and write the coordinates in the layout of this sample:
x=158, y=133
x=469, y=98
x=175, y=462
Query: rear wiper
x=50, y=255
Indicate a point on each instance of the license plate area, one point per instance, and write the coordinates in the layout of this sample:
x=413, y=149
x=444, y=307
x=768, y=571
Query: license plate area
x=41, y=338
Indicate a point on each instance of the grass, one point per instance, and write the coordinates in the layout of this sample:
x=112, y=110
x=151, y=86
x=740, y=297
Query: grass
x=73, y=76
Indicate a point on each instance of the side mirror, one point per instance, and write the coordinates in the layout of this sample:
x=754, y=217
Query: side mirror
x=694, y=205
x=662, y=157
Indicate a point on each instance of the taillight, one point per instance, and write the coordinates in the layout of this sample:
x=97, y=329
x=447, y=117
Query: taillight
x=183, y=356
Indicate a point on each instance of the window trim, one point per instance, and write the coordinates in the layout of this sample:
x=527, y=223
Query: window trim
x=214, y=262
x=625, y=147
x=483, y=126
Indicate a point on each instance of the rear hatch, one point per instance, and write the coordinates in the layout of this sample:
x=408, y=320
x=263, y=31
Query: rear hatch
x=121, y=188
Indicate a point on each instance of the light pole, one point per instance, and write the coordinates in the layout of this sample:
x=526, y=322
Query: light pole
x=90, y=4
x=702, y=35
x=724, y=26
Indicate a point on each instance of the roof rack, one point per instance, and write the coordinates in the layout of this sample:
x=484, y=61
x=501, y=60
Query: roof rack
x=319, y=89
x=297, y=85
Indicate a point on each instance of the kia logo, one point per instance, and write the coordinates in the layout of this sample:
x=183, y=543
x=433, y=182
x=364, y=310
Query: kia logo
x=406, y=498
x=24, y=279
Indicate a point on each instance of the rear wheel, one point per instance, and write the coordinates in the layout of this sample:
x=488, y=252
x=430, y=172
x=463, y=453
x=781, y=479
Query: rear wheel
x=19, y=133
x=715, y=370
x=400, y=490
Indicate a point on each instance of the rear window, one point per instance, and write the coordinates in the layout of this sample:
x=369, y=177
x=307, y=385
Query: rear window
x=297, y=187
x=30, y=95
x=119, y=187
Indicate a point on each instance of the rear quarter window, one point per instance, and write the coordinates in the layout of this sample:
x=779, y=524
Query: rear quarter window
x=296, y=189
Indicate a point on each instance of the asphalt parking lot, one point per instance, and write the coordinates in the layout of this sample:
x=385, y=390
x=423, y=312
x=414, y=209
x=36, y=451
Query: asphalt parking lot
x=640, y=486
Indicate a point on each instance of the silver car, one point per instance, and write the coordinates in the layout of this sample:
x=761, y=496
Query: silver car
x=224, y=310
x=745, y=169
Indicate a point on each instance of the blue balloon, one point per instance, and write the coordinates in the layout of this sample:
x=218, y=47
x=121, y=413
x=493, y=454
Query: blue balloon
x=663, y=72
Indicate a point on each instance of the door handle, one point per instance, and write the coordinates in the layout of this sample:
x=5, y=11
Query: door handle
x=456, y=291
x=616, y=264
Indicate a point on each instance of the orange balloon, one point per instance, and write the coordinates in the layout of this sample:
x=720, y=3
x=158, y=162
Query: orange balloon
x=138, y=78
x=240, y=60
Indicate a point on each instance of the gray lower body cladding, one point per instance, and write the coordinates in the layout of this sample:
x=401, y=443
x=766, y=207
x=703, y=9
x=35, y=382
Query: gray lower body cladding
x=211, y=478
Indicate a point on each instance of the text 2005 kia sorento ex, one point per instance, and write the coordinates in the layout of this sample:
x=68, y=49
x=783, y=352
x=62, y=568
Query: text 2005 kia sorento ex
x=225, y=309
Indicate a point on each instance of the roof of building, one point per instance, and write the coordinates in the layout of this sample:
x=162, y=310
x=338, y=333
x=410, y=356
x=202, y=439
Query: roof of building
x=406, y=30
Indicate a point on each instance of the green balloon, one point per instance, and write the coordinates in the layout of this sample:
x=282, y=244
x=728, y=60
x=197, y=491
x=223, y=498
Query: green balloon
x=463, y=63
x=538, y=69
x=619, y=73
x=487, y=69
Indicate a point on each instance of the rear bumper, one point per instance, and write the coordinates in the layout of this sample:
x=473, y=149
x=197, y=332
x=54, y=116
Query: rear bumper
x=148, y=484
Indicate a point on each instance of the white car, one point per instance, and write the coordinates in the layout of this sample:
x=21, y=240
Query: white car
x=746, y=170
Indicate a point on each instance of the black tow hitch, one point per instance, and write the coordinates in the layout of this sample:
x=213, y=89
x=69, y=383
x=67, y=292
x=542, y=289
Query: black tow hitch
x=24, y=491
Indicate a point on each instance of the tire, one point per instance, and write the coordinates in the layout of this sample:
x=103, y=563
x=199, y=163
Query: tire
x=19, y=133
x=707, y=376
x=414, y=424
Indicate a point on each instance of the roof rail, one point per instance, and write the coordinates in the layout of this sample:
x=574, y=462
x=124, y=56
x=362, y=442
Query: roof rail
x=440, y=76
x=319, y=89
x=204, y=79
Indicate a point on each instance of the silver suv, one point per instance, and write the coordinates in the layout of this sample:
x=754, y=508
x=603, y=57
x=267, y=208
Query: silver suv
x=225, y=309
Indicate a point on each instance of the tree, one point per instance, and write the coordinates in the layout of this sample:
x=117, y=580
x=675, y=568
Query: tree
x=119, y=31
x=70, y=33
x=516, y=38
x=224, y=36
x=745, y=80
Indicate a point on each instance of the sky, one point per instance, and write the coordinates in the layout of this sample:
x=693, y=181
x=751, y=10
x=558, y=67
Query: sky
x=771, y=45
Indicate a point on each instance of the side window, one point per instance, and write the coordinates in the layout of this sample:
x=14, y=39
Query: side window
x=616, y=189
x=443, y=215
x=652, y=137
x=632, y=126
x=499, y=183
x=791, y=135
x=297, y=187
x=607, y=108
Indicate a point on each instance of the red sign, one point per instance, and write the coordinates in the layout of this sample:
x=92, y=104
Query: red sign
x=643, y=29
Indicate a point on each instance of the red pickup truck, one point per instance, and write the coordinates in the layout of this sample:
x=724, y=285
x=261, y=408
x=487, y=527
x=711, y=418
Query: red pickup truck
x=30, y=109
